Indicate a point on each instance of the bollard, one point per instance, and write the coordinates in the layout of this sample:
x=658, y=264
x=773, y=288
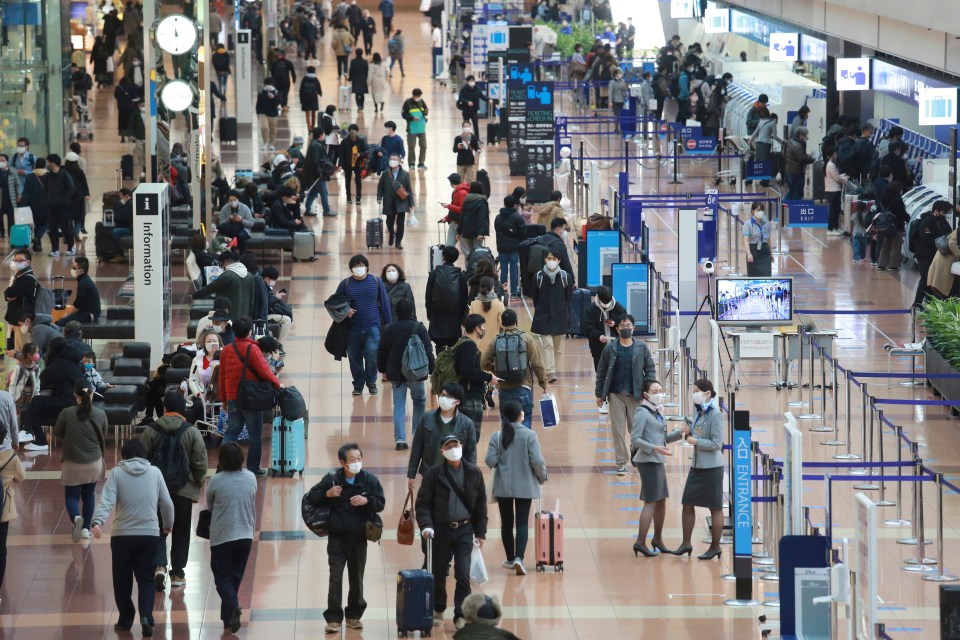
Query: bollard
x=882, y=502
x=868, y=447
x=809, y=416
x=898, y=521
x=939, y=576
x=864, y=399
x=918, y=564
x=823, y=427
x=849, y=455
x=917, y=507
x=799, y=401
x=836, y=442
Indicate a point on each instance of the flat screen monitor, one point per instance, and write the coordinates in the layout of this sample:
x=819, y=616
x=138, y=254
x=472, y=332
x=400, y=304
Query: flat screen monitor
x=754, y=301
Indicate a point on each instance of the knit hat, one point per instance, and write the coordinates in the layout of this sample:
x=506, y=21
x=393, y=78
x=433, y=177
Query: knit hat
x=71, y=157
x=297, y=140
x=482, y=609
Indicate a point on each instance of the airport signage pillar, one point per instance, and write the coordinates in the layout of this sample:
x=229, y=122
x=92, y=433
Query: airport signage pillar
x=688, y=272
x=151, y=273
x=741, y=510
x=243, y=80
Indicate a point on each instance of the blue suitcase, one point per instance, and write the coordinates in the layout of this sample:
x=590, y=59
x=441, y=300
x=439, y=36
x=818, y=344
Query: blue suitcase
x=580, y=301
x=20, y=235
x=415, y=598
x=288, y=448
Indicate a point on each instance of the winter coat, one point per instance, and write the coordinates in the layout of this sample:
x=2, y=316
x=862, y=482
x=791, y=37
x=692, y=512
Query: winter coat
x=310, y=93
x=83, y=439
x=268, y=103
x=550, y=302
x=445, y=325
x=235, y=283
x=393, y=342
x=193, y=446
x=470, y=94
x=35, y=196
x=378, y=83
x=510, y=229
x=59, y=189
x=644, y=368
x=466, y=157
x=59, y=377
x=618, y=91
x=387, y=188
x=593, y=327
x=20, y=295
x=400, y=291
x=492, y=318
x=221, y=61
x=340, y=41
x=425, y=450
x=346, y=520
x=358, y=73
x=283, y=73
x=939, y=277
x=231, y=367
x=928, y=228
x=475, y=217
x=795, y=155
x=548, y=212
x=455, y=207
x=11, y=475
x=520, y=467
x=434, y=497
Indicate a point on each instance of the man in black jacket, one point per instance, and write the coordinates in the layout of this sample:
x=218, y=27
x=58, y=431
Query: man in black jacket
x=452, y=511
x=393, y=344
x=395, y=207
x=923, y=242
x=469, y=103
x=59, y=188
x=20, y=296
x=511, y=231
x=268, y=110
x=283, y=75
x=352, y=149
x=554, y=243
x=354, y=497
x=314, y=180
x=123, y=215
x=446, y=300
x=86, y=303
x=285, y=211
x=599, y=321
x=473, y=379
x=898, y=165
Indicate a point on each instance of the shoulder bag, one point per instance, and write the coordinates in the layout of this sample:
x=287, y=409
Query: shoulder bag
x=943, y=245
x=405, y=526
x=253, y=395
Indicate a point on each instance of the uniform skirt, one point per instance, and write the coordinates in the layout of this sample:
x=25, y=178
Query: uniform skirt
x=653, y=481
x=762, y=265
x=704, y=488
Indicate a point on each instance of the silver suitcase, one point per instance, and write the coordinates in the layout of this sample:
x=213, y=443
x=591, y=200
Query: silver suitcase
x=303, y=246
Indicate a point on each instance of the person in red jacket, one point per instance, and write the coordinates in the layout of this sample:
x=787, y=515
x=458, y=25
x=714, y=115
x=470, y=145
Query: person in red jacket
x=232, y=358
x=460, y=191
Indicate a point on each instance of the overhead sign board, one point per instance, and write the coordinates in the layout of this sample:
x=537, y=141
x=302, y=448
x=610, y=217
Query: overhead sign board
x=784, y=47
x=938, y=106
x=853, y=74
x=716, y=20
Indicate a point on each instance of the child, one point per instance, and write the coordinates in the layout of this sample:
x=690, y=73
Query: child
x=25, y=382
x=271, y=351
x=92, y=375
x=858, y=231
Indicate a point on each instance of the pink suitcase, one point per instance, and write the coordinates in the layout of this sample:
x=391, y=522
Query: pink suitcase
x=549, y=540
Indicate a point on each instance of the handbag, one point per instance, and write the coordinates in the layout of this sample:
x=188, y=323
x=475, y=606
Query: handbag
x=373, y=528
x=23, y=215
x=401, y=192
x=253, y=395
x=203, y=524
x=943, y=244
x=317, y=518
x=492, y=499
x=405, y=526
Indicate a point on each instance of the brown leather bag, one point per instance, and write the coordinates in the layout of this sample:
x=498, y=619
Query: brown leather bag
x=405, y=527
x=599, y=222
x=401, y=192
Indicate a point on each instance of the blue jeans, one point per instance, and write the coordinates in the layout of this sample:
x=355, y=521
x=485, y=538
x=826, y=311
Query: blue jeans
x=73, y=495
x=522, y=395
x=253, y=420
x=859, y=242
x=362, y=353
x=121, y=232
x=319, y=188
x=222, y=82
x=418, y=394
x=510, y=261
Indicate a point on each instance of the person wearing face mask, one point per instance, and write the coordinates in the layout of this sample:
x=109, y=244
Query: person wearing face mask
x=59, y=191
x=221, y=324
x=23, y=162
x=433, y=426
x=9, y=194
x=756, y=241
x=350, y=156
x=415, y=112
x=357, y=76
x=236, y=220
x=378, y=83
x=474, y=220
x=209, y=345
x=704, y=487
x=369, y=312
x=397, y=288
x=599, y=322
x=268, y=110
x=236, y=283
x=923, y=242
x=393, y=180
x=87, y=300
x=23, y=383
x=278, y=309
x=555, y=242
x=128, y=96
x=59, y=377
x=451, y=511
x=93, y=377
x=37, y=328
x=354, y=497
x=21, y=293
x=552, y=290
x=34, y=195
x=123, y=215
x=796, y=160
x=467, y=149
x=285, y=211
x=551, y=210
x=468, y=102
x=648, y=441
x=470, y=375
x=625, y=365
x=392, y=143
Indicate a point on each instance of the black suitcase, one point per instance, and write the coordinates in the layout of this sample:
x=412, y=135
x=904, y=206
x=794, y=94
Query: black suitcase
x=106, y=247
x=415, y=598
x=493, y=133
x=126, y=166
x=580, y=301
x=374, y=233
x=817, y=179
x=228, y=130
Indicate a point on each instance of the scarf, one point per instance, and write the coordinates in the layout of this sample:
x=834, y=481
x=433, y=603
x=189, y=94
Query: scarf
x=490, y=297
x=605, y=310
x=552, y=274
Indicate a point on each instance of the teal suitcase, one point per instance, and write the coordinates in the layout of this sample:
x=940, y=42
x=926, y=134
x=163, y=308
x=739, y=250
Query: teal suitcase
x=288, y=448
x=20, y=235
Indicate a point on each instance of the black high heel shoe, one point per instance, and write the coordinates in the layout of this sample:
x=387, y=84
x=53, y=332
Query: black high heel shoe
x=710, y=554
x=658, y=545
x=688, y=549
x=639, y=548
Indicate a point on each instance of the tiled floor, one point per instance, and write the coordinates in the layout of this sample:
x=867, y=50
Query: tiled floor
x=55, y=589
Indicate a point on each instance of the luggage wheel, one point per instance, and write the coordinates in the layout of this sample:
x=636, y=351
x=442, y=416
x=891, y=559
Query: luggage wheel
x=540, y=567
x=272, y=473
x=558, y=567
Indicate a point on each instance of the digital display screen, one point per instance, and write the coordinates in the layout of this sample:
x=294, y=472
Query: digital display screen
x=754, y=301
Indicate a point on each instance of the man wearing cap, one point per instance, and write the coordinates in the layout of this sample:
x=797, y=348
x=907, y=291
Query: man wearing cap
x=58, y=187
x=86, y=303
x=236, y=283
x=482, y=614
x=454, y=207
x=313, y=178
x=235, y=220
x=452, y=511
x=295, y=151
x=220, y=324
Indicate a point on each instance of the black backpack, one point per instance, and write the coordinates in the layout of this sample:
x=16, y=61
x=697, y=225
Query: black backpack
x=170, y=457
x=446, y=287
x=884, y=222
x=536, y=256
x=510, y=358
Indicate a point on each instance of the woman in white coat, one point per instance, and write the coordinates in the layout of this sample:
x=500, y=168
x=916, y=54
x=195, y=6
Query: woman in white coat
x=377, y=82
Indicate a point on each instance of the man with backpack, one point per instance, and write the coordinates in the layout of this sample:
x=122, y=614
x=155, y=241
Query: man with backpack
x=405, y=358
x=470, y=375
x=176, y=447
x=415, y=112
x=20, y=295
x=551, y=242
x=446, y=300
x=515, y=358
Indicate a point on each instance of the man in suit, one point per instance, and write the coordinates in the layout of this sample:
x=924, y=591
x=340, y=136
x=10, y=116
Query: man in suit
x=395, y=207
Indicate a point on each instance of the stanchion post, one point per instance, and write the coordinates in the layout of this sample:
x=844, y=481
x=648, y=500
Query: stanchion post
x=849, y=455
x=898, y=521
x=869, y=406
x=919, y=563
x=864, y=399
x=917, y=534
x=836, y=442
x=882, y=502
x=755, y=455
x=801, y=334
x=810, y=383
x=823, y=427
x=676, y=161
x=939, y=576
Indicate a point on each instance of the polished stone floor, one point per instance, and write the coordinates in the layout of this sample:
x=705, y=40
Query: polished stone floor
x=56, y=589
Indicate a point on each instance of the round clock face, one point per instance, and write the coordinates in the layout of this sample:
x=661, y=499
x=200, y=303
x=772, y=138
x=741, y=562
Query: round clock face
x=176, y=95
x=176, y=34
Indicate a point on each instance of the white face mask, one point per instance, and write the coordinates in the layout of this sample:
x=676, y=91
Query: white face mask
x=758, y=215
x=20, y=265
x=212, y=346
x=453, y=454
x=354, y=467
x=446, y=403
x=698, y=397
x=359, y=271
x=3, y=165
x=394, y=164
x=217, y=329
x=21, y=150
x=565, y=235
x=25, y=329
x=392, y=275
x=389, y=132
x=655, y=398
x=234, y=204
x=471, y=84
x=553, y=264
x=73, y=273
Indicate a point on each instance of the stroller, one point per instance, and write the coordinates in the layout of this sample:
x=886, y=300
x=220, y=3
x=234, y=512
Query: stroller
x=83, y=125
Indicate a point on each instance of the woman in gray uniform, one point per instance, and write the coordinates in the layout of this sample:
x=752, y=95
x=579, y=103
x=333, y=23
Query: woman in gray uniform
x=756, y=238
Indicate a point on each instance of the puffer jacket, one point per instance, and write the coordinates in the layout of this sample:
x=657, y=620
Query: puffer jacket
x=795, y=155
x=475, y=217
x=456, y=202
x=549, y=211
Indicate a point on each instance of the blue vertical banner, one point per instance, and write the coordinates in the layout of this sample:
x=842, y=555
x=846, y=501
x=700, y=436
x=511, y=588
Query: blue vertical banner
x=707, y=228
x=742, y=494
x=537, y=140
x=632, y=220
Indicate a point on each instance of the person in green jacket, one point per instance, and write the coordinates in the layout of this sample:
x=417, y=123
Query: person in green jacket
x=235, y=283
x=173, y=424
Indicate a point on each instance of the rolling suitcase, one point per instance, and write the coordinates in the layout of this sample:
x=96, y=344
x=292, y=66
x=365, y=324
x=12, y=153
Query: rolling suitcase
x=493, y=133
x=304, y=247
x=415, y=598
x=817, y=182
x=580, y=301
x=126, y=166
x=228, y=130
x=343, y=97
x=20, y=236
x=436, y=251
x=549, y=539
x=111, y=198
x=288, y=448
x=105, y=244
x=374, y=233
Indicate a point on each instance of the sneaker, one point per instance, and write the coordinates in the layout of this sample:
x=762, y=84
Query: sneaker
x=401, y=446
x=54, y=254
x=459, y=623
x=622, y=470
x=160, y=578
x=551, y=378
x=329, y=214
x=605, y=408
x=354, y=624
x=260, y=473
x=421, y=166
x=84, y=534
x=26, y=438
x=507, y=564
x=70, y=253
x=177, y=581
x=438, y=618
x=404, y=445
x=36, y=447
x=373, y=389
x=519, y=568
x=77, y=528
x=332, y=627
x=234, y=624
x=357, y=392
x=146, y=627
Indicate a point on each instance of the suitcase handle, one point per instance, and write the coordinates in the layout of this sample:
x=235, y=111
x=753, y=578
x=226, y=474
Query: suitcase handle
x=430, y=558
x=119, y=180
x=440, y=231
